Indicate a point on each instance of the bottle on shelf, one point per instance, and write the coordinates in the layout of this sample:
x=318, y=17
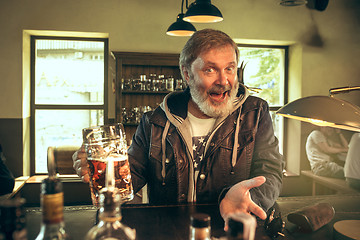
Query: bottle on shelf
x=154, y=82
x=179, y=84
x=52, y=204
x=148, y=84
x=143, y=82
x=12, y=219
x=162, y=82
x=200, y=228
x=110, y=226
x=170, y=84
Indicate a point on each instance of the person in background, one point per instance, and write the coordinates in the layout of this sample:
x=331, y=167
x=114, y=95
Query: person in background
x=352, y=162
x=7, y=179
x=326, y=150
x=212, y=142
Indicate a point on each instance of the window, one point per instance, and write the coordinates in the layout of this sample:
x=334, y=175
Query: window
x=265, y=69
x=68, y=92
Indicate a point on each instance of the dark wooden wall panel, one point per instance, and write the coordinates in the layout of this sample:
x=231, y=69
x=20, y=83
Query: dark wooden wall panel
x=12, y=144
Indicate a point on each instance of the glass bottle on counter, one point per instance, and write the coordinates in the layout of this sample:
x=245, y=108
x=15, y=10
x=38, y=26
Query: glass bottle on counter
x=235, y=230
x=200, y=228
x=241, y=226
x=110, y=226
x=52, y=204
x=12, y=219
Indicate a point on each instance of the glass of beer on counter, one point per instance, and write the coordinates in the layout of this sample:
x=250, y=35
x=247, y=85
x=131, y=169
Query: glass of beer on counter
x=106, y=145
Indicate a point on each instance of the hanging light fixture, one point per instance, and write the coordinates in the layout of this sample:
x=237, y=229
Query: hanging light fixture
x=180, y=27
x=202, y=11
x=325, y=110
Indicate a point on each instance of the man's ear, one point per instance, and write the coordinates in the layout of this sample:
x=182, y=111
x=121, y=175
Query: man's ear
x=186, y=73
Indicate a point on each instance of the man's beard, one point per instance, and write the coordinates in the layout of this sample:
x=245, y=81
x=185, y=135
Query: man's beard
x=207, y=106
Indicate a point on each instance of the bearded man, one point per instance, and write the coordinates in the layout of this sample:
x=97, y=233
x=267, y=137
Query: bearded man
x=212, y=142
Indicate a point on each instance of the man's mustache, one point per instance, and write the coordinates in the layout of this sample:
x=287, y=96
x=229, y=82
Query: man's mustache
x=219, y=89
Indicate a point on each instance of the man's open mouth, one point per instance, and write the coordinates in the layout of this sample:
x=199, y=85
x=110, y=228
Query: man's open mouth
x=219, y=96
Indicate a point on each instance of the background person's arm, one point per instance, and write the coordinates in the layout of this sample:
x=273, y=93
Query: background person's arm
x=326, y=148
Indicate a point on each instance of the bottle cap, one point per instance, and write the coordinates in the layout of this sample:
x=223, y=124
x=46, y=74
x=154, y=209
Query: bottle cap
x=51, y=185
x=200, y=220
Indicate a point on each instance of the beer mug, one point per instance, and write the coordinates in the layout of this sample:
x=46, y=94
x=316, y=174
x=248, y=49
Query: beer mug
x=106, y=146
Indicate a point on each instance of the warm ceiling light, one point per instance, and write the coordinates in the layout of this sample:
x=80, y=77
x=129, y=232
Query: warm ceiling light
x=202, y=11
x=180, y=27
x=324, y=111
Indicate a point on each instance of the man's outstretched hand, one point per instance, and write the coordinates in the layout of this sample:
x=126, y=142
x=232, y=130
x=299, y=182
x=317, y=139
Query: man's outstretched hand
x=238, y=199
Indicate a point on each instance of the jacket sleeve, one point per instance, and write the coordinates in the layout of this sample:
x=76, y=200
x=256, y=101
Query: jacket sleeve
x=267, y=162
x=139, y=153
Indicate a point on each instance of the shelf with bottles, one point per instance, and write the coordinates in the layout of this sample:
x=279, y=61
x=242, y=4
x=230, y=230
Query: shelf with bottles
x=144, y=79
x=131, y=116
x=151, y=84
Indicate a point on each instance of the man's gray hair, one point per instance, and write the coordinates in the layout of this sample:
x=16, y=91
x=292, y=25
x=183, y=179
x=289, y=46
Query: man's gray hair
x=204, y=40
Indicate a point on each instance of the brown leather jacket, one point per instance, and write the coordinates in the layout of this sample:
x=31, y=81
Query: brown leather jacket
x=170, y=174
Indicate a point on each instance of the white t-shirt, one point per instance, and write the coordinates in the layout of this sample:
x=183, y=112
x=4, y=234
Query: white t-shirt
x=352, y=162
x=313, y=152
x=200, y=126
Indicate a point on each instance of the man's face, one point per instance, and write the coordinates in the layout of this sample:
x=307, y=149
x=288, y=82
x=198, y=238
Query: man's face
x=213, y=81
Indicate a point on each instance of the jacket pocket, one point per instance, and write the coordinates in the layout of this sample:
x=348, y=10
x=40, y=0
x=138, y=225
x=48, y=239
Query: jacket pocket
x=245, y=138
x=155, y=153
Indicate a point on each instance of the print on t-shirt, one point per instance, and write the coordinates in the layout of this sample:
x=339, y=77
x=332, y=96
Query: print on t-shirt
x=198, y=148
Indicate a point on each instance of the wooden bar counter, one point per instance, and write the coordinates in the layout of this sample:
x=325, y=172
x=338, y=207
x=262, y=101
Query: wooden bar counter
x=172, y=222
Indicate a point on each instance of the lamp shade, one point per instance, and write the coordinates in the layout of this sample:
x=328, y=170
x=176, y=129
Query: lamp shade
x=202, y=11
x=324, y=111
x=180, y=27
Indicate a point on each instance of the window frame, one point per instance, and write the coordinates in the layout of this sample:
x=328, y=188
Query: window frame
x=34, y=107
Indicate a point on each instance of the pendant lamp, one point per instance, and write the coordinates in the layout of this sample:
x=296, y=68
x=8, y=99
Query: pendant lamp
x=325, y=111
x=202, y=11
x=180, y=27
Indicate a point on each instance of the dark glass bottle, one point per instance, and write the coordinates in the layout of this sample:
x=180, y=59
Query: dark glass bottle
x=52, y=203
x=12, y=219
x=236, y=230
x=241, y=226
